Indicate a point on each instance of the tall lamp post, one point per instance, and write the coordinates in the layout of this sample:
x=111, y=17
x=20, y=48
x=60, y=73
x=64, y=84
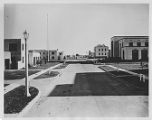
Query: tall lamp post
x=26, y=35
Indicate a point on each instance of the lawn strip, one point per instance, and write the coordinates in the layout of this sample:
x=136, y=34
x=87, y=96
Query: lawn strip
x=48, y=75
x=16, y=100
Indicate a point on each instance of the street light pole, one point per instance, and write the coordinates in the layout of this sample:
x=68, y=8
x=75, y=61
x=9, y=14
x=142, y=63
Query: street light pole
x=26, y=35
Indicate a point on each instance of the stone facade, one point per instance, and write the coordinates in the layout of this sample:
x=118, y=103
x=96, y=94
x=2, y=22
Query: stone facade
x=130, y=47
x=101, y=51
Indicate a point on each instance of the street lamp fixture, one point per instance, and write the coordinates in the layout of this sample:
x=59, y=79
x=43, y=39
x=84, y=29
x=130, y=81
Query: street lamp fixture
x=26, y=35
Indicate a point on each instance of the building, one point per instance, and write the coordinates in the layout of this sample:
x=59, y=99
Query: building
x=7, y=57
x=60, y=56
x=14, y=51
x=53, y=55
x=43, y=55
x=81, y=57
x=101, y=51
x=109, y=53
x=33, y=57
x=91, y=54
x=129, y=47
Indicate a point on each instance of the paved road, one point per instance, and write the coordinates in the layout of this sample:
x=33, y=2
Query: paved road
x=83, y=90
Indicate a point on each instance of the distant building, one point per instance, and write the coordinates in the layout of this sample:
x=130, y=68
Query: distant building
x=101, y=51
x=60, y=56
x=81, y=57
x=129, y=47
x=14, y=51
x=43, y=54
x=70, y=57
x=53, y=55
x=109, y=53
x=91, y=54
x=34, y=57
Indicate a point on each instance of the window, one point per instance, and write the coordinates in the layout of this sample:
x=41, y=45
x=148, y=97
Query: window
x=99, y=53
x=22, y=46
x=138, y=44
x=52, y=57
x=12, y=47
x=105, y=53
x=130, y=44
x=52, y=53
x=102, y=53
x=99, y=49
x=60, y=53
x=102, y=49
x=105, y=49
x=146, y=44
x=22, y=59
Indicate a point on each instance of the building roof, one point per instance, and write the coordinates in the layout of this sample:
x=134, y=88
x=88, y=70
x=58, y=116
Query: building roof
x=130, y=37
x=99, y=45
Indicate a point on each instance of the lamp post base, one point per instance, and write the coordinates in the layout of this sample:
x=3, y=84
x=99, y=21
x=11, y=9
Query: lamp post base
x=28, y=95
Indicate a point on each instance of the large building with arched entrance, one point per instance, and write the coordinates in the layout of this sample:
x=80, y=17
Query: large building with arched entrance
x=130, y=47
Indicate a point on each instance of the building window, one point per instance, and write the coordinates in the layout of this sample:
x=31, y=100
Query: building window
x=22, y=46
x=138, y=44
x=99, y=53
x=99, y=49
x=52, y=53
x=22, y=59
x=60, y=53
x=146, y=44
x=102, y=49
x=52, y=57
x=105, y=49
x=105, y=53
x=130, y=44
x=102, y=53
x=12, y=47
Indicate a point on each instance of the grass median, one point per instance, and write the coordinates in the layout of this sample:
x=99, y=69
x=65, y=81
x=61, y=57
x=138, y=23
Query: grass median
x=16, y=100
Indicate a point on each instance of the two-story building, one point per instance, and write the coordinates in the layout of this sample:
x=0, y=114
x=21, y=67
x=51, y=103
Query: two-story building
x=53, y=55
x=129, y=47
x=14, y=53
x=101, y=51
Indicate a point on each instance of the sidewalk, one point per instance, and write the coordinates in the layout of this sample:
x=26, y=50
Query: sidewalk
x=22, y=81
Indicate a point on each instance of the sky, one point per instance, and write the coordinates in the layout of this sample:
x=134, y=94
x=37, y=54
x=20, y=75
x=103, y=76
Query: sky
x=74, y=28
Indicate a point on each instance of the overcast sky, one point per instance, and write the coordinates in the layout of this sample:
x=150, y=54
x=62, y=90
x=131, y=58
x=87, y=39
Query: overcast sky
x=74, y=28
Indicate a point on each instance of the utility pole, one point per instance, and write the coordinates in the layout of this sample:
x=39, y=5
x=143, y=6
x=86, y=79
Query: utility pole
x=47, y=39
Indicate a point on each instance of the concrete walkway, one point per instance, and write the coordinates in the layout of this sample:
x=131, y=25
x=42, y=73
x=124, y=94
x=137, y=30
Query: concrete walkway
x=16, y=83
x=84, y=106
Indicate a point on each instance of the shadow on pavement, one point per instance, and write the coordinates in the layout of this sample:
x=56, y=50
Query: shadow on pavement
x=101, y=84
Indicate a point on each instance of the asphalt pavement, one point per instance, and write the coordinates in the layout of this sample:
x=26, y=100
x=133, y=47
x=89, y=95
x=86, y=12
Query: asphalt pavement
x=84, y=90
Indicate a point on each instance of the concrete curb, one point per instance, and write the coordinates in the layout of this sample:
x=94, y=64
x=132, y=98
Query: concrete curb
x=10, y=87
x=26, y=108
x=29, y=105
